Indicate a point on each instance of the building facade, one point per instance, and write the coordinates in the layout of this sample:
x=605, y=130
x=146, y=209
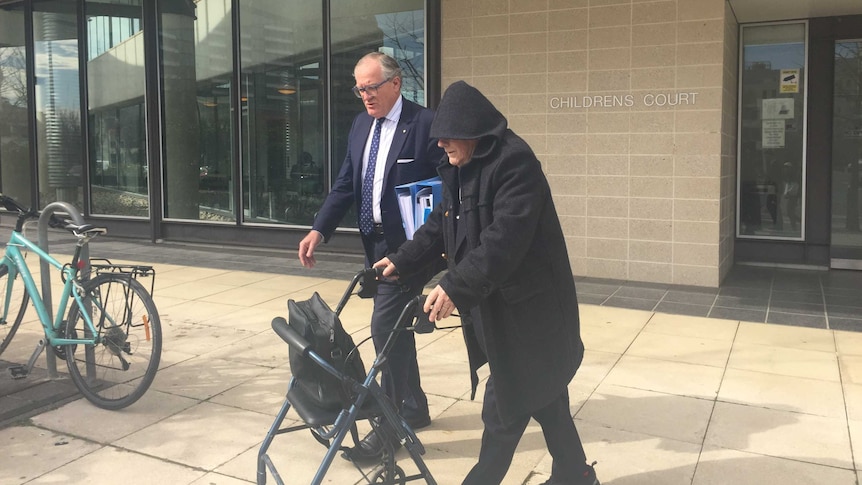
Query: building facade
x=679, y=136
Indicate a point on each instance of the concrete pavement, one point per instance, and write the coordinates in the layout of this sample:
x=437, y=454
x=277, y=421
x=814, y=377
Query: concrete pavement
x=660, y=399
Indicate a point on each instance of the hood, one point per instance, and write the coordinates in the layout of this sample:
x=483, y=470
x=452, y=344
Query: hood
x=466, y=114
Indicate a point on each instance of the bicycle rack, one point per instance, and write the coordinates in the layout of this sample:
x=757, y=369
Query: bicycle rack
x=132, y=271
x=45, y=268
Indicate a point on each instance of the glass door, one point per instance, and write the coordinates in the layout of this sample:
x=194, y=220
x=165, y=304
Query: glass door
x=846, y=246
x=772, y=148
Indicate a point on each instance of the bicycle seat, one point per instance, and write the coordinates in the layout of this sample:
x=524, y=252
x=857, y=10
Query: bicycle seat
x=86, y=230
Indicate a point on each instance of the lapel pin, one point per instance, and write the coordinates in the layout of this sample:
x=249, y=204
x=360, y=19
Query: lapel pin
x=403, y=131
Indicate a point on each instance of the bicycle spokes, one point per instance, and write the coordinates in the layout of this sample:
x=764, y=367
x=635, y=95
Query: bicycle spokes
x=122, y=363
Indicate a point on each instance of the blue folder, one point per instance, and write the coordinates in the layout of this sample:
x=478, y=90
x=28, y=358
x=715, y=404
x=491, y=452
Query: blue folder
x=416, y=201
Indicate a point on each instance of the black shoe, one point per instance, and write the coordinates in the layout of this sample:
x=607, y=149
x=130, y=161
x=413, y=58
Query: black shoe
x=589, y=478
x=418, y=423
x=370, y=449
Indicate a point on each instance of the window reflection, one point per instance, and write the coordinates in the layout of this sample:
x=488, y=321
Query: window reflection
x=282, y=140
x=771, y=161
x=289, y=147
x=213, y=105
x=284, y=163
x=358, y=30
x=58, y=108
x=14, y=144
x=118, y=162
x=847, y=146
x=196, y=39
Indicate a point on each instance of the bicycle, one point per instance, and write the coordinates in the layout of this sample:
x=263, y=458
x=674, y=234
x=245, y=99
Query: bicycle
x=111, y=339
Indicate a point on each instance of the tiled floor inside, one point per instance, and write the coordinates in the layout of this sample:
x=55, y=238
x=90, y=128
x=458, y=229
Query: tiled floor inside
x=800, y=297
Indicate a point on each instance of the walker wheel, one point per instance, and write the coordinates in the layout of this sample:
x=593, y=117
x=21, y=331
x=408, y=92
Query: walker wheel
x=397, y=477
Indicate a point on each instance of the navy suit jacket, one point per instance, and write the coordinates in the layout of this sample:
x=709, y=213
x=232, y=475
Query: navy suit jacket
x=413, y=156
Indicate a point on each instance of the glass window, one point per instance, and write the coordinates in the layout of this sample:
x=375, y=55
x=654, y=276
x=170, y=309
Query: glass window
x=285, y=155
x=772, y=139
x=118, y=157
x=58, y=105
x=196, y=39
x=358, y=29
x=282, y=135
x=14, y=139
x=847, y=150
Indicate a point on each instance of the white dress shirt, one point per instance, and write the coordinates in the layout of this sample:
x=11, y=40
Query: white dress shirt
x=387, y=133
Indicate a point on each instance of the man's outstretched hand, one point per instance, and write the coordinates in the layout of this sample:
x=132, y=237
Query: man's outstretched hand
x=307, y=246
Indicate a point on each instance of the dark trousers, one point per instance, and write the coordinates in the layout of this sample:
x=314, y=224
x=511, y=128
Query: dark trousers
x=500, y=440
x=400, y=374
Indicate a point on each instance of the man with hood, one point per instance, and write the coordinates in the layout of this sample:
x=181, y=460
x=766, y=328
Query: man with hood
x=510, y=279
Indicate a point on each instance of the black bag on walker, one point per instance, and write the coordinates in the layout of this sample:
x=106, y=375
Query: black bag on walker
x=320, y=326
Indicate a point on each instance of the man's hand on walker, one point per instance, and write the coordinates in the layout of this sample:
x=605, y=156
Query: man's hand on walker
x=389, y=271
x=438, y=305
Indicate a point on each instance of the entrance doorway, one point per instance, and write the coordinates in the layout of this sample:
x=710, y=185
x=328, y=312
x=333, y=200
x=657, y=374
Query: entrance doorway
x=846, y=245
x=829, y=207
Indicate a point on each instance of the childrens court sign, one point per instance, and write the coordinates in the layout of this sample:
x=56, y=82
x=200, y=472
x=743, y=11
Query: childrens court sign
x=648, y=100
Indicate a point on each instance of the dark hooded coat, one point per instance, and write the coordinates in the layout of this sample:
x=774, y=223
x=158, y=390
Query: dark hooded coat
x=508, y=267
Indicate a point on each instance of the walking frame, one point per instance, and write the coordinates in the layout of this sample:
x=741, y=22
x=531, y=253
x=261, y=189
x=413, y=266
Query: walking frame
x=369, y=402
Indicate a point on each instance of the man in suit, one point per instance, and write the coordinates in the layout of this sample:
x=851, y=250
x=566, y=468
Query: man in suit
x=388, y=145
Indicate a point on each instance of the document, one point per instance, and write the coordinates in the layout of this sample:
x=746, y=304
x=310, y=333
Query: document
x=424, y=203
x=405, y=204
x=416, y=201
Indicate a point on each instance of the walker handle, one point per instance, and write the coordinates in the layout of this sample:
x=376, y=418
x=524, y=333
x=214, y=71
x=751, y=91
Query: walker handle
x=289, y=335
x=422, y=322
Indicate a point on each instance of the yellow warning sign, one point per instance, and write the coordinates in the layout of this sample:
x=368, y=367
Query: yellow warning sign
x=789, y=81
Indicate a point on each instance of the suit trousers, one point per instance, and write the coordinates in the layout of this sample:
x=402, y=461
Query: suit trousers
x=499, y=441
x=400, y=374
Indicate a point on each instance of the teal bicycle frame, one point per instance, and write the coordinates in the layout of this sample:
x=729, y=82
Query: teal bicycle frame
x=14, y=260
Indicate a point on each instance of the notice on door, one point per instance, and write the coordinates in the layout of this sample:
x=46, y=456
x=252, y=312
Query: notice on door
x=773, y=134
x=777, y=109
x=789, y=81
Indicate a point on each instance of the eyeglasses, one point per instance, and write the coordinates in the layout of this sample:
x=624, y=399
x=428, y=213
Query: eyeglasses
x=369, y=90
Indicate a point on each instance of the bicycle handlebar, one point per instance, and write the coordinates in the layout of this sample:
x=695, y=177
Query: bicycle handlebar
x=11, y=205
x=24, y=214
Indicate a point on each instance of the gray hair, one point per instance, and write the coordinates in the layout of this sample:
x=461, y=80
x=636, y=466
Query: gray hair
x=388, y=65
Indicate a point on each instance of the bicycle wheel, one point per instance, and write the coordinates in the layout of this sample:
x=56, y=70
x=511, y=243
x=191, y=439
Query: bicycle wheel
x=13, y=305
x=119, y=369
